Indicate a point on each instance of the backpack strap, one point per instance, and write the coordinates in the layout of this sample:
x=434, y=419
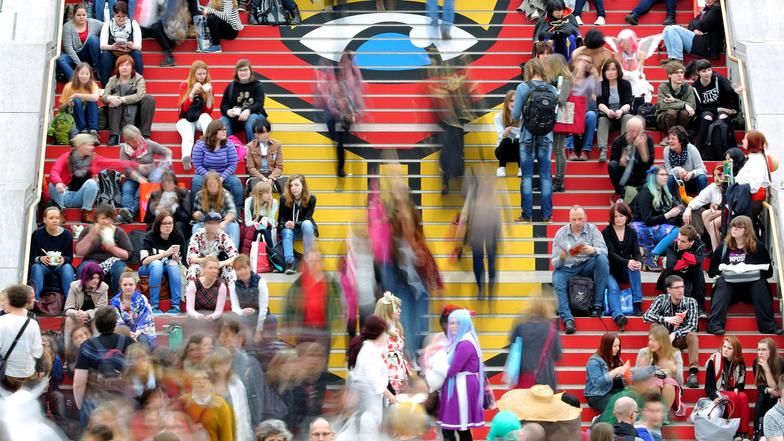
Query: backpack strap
x=13, y=345
x=545, y=349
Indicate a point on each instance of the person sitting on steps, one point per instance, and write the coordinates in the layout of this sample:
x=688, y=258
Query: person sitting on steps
x=684, y=258
x=127, y=100
x=645, y=6
x=579, y=250
x=631, y=156
x=679, y=315
x=677, y=102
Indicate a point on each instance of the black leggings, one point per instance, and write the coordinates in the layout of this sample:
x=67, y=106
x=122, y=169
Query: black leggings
x=454, y=435
x=220, y=29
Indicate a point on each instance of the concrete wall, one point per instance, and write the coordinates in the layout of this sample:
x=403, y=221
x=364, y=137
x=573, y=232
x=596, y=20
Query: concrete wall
x=29, y=38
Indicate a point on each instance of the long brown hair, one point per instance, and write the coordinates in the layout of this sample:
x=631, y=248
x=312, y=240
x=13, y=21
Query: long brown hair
x=211, y=134
x=191, y=81
x=774, y=362
x=76, y=84
x=605, y=350
x=506, y=114
x=662, y=336
x=211, y=202
x=748, y=232
x=304, y=198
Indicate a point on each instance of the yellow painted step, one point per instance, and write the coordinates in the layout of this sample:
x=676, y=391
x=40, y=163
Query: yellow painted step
x=326, y=184
x=486, y=324
x=442, y=230
x=512, y=182
x=325, y=167
x=490, y=341
x=502, y=305
x=341, y=199
x=504, y=247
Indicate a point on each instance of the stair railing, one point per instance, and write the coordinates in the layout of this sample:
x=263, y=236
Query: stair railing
x=774, y=249
x=729, y=39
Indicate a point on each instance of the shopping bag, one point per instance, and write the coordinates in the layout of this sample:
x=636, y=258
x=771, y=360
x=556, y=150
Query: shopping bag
x=202, y=33
x=513, y=360
x=259, y=260
x=145, y=190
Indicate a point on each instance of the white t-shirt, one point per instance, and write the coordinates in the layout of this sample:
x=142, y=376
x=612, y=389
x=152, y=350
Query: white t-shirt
x=21, y=364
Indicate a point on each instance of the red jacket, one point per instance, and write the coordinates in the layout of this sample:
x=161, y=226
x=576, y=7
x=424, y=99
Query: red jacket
x=61, y=171
x=187, y=103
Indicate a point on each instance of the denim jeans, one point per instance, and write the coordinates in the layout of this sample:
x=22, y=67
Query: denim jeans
x=614, y=291
x=85, y=114
x=99, y=7
x=116, y=271
x=655, y=239
x=248, y=125
x=413, y=316
x=306, y=232
x=83, y=198
x=678, y=40
x=591, y=118
x=645, y=5
x=597, y=267
x=90, y=53
x=155, y=270
x=130, y=195
x=231, y=183
x=40, y=272
x=232, y=229
x=695, y=185
x=107, y=60
x=580, y=4
x=447, y=13
x=536, y=147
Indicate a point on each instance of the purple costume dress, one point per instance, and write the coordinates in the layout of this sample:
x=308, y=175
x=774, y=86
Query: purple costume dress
x=461, y=394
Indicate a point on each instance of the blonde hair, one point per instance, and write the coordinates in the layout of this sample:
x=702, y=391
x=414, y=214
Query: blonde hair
x=385, y=308
x=540, y=307
x=219, y=355
x=208, y=201
x=662, y=336
x=556, y=66
x=259, y=204
x=218, y=4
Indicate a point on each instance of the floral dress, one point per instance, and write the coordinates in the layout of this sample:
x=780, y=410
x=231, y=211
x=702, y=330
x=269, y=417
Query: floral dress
x=222, y=248
x=397, y=365
x=138, y=317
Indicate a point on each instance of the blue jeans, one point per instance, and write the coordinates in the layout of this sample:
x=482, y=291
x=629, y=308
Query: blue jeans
x=107, y=60
x=591, y=119
x=695, y=185
x=231, y=183
x=232, y=229
x=539, y=147
x=413, y=316
x=116, y=271
x=580, y=4
x=155, y=270
x=90, y=53
x=40, y=272
x=678, y=40
x=99, y=6
x=614, y=291
x=130, y=195
x=447, y=13
x=306, y=232
x=85, y=114
x=645, y=5
x=83, y=198
x=661, y=248
x=597, y=267
x=248, y=125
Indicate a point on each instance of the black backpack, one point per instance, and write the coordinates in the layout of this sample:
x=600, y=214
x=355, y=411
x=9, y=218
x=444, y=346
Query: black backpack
x=108, y=377
x=648, y=112
x=539, y=112
x=268, y=12
x=109, y=192
x=580, y=295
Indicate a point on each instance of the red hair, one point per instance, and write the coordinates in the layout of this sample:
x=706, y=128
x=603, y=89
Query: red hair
x=756, y=141
x=122, y=59
x=606, y=348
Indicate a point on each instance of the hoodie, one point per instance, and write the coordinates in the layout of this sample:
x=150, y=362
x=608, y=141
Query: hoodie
x=625, y=432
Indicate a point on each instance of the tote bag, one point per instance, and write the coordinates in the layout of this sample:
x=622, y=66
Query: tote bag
x=202, y=33
x=715, y=429
x=259, y=259
x=513, y=360
x=577, y=110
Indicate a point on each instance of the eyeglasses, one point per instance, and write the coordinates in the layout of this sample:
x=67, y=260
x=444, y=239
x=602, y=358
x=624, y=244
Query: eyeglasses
x=222, y=129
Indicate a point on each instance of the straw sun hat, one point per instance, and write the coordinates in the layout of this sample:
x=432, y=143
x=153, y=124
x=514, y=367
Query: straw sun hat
x=538, y=403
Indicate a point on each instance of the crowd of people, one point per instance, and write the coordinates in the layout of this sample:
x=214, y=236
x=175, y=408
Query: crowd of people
x=228, y=373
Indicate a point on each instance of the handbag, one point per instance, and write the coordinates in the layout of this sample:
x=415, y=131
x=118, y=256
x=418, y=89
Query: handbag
x=528, y=379
x=577, y=125
x=715, y=429
x=733, y=277
x=259, y=259
x=203, y=40
x=513, y=360
x=708, y=409
x=50, y=304
x=4, y=363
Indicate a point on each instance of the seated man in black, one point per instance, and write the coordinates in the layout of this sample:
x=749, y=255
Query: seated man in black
x=631, y=155
x=684, y=258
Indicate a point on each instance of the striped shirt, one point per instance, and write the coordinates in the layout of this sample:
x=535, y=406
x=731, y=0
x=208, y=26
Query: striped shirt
x=662, y=308
x=229, y=14
x=223, y=160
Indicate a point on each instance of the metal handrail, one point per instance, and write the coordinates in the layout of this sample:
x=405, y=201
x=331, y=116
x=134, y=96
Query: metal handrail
x=778, y=256
x=729, y=40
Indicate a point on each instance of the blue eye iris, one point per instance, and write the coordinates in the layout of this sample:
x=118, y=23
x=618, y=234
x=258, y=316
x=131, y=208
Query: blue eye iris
x=390, y=51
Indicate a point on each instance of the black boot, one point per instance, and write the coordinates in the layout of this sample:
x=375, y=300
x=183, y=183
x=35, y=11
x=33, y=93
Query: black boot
x=558, y=186
x=294, y=17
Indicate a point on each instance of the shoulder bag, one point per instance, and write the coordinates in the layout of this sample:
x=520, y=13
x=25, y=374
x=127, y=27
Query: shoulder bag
x=528, y=379
x=4, y=363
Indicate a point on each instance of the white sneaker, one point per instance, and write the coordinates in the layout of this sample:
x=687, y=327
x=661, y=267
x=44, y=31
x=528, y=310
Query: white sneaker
x=519, y=172
x=578, y=20
x=501, y=172
x=599, y=21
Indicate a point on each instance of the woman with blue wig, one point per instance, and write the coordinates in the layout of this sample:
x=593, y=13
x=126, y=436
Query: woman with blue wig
x=463, y=391
x=656, y=214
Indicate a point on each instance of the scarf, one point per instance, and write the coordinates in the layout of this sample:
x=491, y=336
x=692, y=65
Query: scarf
x=726, y=378
x=121, y=32
x=138, y=152
x=80, y=167
x=678, y=159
